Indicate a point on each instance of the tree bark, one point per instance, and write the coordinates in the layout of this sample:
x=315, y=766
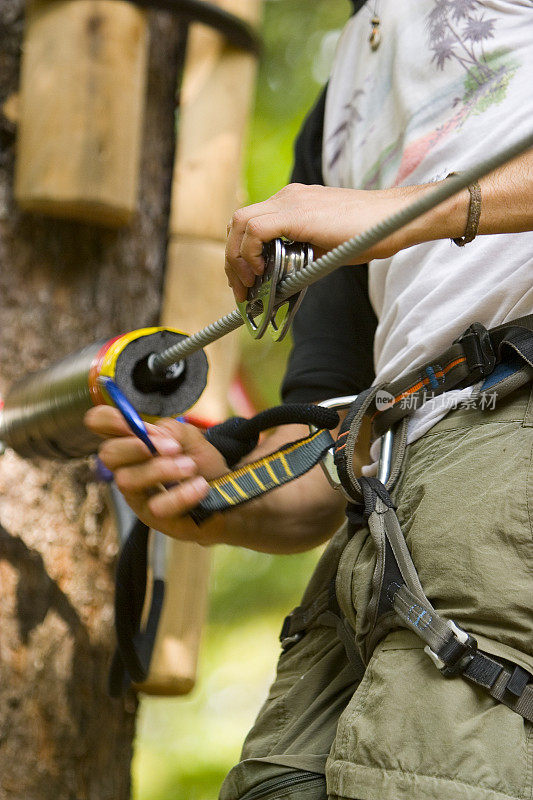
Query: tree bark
x=63, y=285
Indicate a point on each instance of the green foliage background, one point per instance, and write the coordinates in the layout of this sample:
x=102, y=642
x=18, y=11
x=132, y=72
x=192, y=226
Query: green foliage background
x=186, y=745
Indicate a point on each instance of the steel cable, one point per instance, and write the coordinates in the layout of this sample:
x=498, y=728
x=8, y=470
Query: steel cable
x=347, y=252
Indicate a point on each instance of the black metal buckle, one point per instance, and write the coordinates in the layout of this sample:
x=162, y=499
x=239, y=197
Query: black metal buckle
x=479, y=352
x=287, y=639
x=463, y=654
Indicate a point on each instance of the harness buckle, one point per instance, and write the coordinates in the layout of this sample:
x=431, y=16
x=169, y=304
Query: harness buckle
x=479, y=352
x=455, y=656
x=286, y=638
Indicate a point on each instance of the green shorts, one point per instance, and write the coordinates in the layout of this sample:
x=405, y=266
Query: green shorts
x=396, y=729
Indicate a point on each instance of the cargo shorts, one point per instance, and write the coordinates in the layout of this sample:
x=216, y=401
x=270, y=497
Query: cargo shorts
x=394, y=728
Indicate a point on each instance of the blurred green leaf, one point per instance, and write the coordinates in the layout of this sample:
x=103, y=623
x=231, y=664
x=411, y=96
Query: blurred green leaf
x=300, y=36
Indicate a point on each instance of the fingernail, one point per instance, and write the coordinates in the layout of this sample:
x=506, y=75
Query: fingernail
x=185, y=464
x=198, y=484
x=167, y=447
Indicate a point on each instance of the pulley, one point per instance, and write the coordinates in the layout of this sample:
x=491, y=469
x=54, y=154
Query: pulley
x=263, y=309
x=43, y=413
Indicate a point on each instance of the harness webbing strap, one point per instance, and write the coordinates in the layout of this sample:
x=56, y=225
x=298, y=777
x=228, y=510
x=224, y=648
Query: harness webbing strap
x=237, y=436
x=296, y=623
x=324, y=610
x=396, y=586
x=471, y=357
x=510, y=687
x=345, y=446
x=261, y=476
x=134, y=645
x=350, y=426
x=443, y=374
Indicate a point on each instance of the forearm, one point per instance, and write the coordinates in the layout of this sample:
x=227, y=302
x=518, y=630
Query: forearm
x=506, y=206
x=327, y=216
x=290, y=519
x=298, y=515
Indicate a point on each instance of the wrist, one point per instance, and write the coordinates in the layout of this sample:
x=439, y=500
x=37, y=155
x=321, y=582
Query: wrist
x=447, y=220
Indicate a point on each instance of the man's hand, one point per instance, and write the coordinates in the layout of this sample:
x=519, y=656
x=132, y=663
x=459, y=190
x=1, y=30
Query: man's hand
x=326, y=216
x=293, y=518
x=323, y=216
x=185, y=461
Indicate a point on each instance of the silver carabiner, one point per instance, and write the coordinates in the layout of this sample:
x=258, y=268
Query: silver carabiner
x=385, y=457
x=328, y=464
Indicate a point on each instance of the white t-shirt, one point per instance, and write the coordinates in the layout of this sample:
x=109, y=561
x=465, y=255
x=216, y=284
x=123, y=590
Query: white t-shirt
x=451, y=82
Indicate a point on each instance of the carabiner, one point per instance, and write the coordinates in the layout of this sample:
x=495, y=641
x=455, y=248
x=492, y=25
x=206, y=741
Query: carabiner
x=328, y=464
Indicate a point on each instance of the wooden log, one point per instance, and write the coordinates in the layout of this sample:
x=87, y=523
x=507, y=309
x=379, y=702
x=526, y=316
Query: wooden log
x=196, y=293
x=214, y=108
x=82, y=105
x=215, y=101
x=174, y=658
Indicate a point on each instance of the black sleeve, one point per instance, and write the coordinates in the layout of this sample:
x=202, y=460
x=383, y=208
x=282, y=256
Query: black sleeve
x=334, y=328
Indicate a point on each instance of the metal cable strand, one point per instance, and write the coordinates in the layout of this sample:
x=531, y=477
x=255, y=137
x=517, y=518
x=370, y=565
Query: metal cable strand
x=212, y=332
x=356, y=246
x=346, y=253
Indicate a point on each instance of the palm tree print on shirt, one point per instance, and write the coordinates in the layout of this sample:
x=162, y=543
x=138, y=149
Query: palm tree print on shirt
x=448, y=42
x=458, y=32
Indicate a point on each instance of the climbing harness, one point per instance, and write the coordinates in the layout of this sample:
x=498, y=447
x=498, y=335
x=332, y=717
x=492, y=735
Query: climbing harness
x=162, y=372
x=503, y=357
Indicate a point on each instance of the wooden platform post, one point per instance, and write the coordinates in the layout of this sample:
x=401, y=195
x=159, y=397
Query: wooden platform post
x=216, y=97
x=82, y=99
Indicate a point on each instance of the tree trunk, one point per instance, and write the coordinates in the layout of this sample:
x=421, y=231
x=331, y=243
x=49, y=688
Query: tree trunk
x=63, y=285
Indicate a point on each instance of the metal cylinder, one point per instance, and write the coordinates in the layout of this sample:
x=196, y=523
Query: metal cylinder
x=43, y=413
